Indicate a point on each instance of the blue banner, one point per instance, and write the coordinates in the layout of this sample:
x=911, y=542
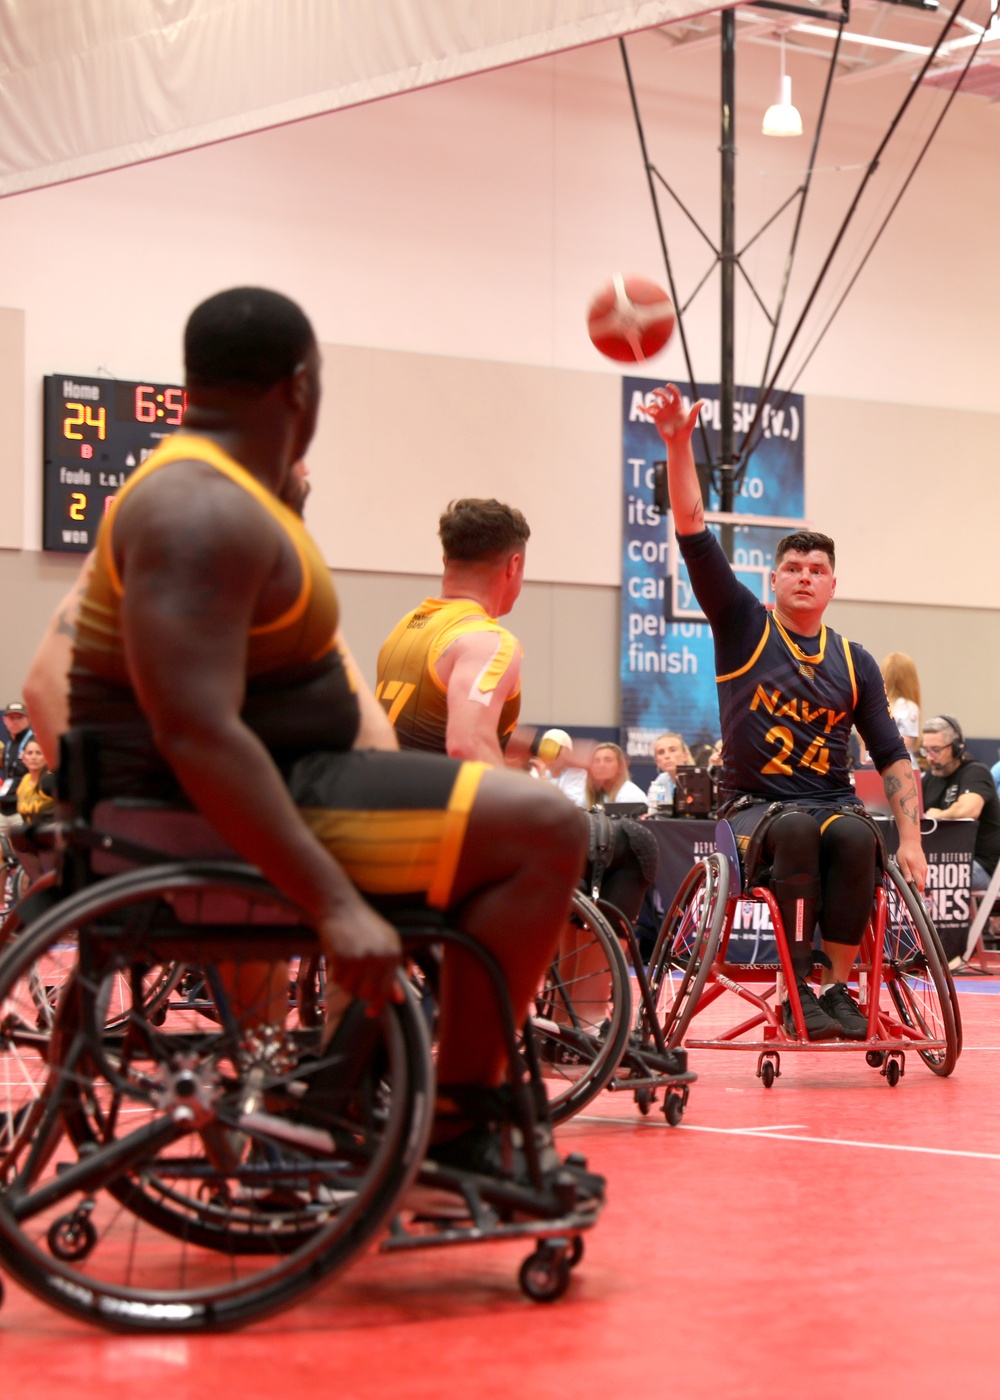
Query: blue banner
x=667, y=666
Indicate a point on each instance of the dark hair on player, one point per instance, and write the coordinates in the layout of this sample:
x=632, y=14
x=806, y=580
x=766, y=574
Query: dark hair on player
x=472, y=530
x=804, y=542
x=245, y=338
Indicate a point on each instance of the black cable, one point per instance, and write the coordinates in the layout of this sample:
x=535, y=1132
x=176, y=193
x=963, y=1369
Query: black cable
x=663, y=245
x=744, y=457
x=845, y=223
x=892, y=209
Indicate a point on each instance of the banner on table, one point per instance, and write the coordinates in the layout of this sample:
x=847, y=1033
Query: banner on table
x=667, y=668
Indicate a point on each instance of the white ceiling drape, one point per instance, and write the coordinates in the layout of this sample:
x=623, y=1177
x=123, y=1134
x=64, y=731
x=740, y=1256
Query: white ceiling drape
x=90, y=85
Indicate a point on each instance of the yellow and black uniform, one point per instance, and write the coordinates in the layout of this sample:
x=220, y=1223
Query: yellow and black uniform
x=409, y=686
x=395, y=822
x=36, y=795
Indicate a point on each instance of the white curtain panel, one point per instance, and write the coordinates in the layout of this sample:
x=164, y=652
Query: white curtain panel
x=89, y=85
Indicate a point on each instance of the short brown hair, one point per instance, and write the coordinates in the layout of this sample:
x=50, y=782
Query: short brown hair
x=473, y=529
x=804, y=542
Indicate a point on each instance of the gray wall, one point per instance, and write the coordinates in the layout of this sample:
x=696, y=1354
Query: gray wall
x=570, y=638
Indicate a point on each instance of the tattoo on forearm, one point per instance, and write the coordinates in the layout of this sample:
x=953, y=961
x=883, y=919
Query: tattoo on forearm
x=66, y=624
x=905, y=789
x=699, y=513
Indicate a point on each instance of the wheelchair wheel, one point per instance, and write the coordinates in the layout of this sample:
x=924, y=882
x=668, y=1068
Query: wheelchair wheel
x=206, y=1169
x=582, y=1014
x=686, y=947
x=916, y=975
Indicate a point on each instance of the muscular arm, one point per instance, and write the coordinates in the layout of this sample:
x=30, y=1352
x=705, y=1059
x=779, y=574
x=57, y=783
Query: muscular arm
x=901, y=792
x=675, y=424
x=199, y=560
x=46, y=688
x=475, y=697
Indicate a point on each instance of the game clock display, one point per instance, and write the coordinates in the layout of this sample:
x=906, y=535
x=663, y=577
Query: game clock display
x=96, y=432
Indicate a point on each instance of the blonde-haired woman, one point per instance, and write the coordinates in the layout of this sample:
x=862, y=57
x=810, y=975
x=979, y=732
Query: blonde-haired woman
x=902, y=685
x=608, y=779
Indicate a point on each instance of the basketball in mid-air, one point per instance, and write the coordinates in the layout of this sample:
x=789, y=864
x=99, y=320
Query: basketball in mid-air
x=630, y=319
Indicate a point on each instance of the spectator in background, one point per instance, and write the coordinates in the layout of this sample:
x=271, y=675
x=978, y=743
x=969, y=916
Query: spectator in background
x=668, y=750
x=36, y=798
x=19, y=735
x=608, y=779
x=36, y=792
x=956, y=786
x=902, y=686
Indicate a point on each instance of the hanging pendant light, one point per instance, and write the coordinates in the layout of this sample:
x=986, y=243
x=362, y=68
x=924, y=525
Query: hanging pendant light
x=783, y=118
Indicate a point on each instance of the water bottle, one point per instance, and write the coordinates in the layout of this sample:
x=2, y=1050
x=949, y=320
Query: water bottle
x=661, y=793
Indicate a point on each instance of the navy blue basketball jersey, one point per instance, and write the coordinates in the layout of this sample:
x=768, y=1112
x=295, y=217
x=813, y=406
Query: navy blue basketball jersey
x=787, y=717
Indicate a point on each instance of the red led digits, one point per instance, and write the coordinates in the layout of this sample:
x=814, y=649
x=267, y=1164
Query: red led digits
x=145, y=403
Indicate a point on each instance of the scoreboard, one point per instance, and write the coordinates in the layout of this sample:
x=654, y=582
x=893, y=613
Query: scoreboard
x=96, y=432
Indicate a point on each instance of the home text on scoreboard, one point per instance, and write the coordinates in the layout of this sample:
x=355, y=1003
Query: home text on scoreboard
x=96, y=432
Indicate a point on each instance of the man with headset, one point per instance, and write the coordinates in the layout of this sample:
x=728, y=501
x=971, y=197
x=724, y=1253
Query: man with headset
x=956, y=786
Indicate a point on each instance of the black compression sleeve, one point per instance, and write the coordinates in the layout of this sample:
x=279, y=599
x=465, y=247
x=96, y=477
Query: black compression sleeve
x=734, y=614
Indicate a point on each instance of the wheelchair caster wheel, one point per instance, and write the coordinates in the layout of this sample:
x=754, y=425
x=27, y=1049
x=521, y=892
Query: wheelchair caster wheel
x=72, y=1236
x=644, y=1100
x=893, y=1071
x=673, y=1108
x=544, y=1275
x=575, y=1251
x=875, y=1058
x=768, y=1068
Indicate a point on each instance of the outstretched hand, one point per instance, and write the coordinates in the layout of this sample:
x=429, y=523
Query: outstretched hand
x=666, y=409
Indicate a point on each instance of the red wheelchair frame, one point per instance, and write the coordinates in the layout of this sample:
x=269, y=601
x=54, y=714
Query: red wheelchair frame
x=903, y=983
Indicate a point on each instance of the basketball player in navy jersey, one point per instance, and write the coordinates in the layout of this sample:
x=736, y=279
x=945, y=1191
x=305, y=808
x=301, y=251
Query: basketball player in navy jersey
x=790, y=689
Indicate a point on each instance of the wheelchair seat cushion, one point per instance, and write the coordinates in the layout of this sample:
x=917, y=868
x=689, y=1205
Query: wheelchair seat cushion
x=177, y=832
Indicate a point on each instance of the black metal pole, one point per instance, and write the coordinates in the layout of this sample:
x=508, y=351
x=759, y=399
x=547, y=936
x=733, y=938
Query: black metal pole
x=727, y=260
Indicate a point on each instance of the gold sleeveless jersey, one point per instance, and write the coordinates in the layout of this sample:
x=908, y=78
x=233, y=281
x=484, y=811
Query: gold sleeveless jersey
x=409, y=687
x=303, y=634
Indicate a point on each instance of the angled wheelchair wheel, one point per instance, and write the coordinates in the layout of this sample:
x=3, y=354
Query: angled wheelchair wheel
x=687, y=946
x=916, y=977
x=582, y=1013
x=172, y=1166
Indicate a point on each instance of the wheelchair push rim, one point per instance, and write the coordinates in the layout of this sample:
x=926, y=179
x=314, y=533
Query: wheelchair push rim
x=187, y=1173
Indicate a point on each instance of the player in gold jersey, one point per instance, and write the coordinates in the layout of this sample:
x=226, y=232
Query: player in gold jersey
x=449, y=676
x=206, y=664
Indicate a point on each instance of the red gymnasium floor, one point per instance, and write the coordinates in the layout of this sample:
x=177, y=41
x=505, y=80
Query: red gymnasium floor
x=829, y=1238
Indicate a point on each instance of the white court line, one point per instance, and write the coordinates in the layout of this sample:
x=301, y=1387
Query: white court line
x=768, y=1128
x=798, y=1137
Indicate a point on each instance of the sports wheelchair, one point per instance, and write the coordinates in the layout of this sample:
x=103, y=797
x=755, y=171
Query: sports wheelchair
x=903, y=983
x=184, y=1145
x=583, y=1017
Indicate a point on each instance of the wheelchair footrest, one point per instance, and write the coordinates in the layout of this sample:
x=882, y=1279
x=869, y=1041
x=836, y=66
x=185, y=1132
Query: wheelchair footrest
x=815, y=1046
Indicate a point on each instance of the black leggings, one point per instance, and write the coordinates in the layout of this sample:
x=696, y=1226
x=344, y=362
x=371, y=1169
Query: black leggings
x=821, y=870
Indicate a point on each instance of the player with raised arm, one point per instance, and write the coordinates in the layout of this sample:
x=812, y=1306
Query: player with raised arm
x=790, y=690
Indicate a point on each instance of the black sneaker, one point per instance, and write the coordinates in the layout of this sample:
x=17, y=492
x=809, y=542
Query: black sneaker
x=486, y=1150
x=820, y=1025
x=837, y=1002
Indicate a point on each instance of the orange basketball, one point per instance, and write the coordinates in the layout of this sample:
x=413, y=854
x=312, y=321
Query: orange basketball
x=630, y=319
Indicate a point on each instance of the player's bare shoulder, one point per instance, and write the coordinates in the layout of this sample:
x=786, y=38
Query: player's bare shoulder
x=193, y=523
